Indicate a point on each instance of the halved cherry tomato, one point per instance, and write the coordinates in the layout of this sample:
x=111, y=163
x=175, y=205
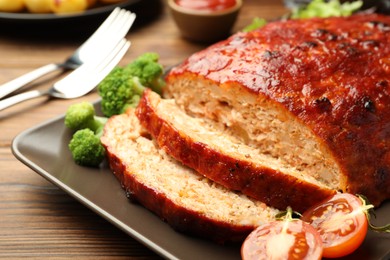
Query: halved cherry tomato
x=341, y=222
x=288, y=239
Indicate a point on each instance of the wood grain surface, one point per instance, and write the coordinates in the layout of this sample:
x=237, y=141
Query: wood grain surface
x=38, y=220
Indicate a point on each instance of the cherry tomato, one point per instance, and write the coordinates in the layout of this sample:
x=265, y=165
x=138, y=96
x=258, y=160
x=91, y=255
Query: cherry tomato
x=341, y=222
x=288, y=239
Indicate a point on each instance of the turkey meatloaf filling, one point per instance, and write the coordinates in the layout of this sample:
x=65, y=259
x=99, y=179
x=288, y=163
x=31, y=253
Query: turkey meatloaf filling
x=185, y=199
x=225, y=159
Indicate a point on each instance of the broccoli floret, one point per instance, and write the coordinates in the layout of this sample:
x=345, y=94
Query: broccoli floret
x=85, y=144
x=123, y=86
x=118, y=91
x=148, y=70
x=86, y=148
x=82, y=115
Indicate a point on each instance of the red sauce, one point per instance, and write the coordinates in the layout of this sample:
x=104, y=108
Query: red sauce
x=206, y=5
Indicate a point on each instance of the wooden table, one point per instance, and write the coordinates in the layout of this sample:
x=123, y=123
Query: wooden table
x=37, y=219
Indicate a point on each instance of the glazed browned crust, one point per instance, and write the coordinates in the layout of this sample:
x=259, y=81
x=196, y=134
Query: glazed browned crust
x=268, y=185
x=180, y=218
x=333, y=74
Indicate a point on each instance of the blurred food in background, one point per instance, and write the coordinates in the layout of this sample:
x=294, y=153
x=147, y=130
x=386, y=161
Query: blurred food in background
x=380, y=6
x=52, y=6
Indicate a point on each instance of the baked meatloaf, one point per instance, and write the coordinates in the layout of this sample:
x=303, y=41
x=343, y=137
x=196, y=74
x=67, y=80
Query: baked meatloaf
x=225, y=159
x=313, y=94
x=189, y=202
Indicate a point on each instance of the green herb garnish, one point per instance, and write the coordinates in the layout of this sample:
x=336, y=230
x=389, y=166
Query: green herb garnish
x=322, y=8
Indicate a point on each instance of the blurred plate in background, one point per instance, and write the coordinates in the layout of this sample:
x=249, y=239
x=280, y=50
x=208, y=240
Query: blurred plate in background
x=33, y=17
x=89, y=20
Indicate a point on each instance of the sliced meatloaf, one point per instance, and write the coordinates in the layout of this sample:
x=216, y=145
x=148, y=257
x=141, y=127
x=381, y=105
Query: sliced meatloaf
x=313, y=94
x=186, y=200
x=225, y=159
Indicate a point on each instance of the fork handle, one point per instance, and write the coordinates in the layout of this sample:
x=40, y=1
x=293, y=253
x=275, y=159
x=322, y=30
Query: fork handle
x=23, y=80
x=8, y=102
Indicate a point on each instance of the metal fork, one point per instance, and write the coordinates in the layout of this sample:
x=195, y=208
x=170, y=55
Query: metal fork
x=98, y=45
x=79, y=82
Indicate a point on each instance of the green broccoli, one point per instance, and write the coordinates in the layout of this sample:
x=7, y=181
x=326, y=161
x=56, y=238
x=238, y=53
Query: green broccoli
x=82, y=115
x=148, y=70
x=123, y=86
x=85, y=144
x=86, y=148
x=118, y=91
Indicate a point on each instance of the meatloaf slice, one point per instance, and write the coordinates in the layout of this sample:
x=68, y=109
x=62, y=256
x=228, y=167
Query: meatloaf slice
x=186, y=200
x=312, y=93
x=225, y=159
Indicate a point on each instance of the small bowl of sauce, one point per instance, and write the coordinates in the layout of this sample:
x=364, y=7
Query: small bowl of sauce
x=205, y=20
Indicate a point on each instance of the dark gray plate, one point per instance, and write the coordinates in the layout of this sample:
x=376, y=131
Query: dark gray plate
x=44, y=149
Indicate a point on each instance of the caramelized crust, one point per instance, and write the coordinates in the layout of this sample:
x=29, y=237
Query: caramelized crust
x=332, y=74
